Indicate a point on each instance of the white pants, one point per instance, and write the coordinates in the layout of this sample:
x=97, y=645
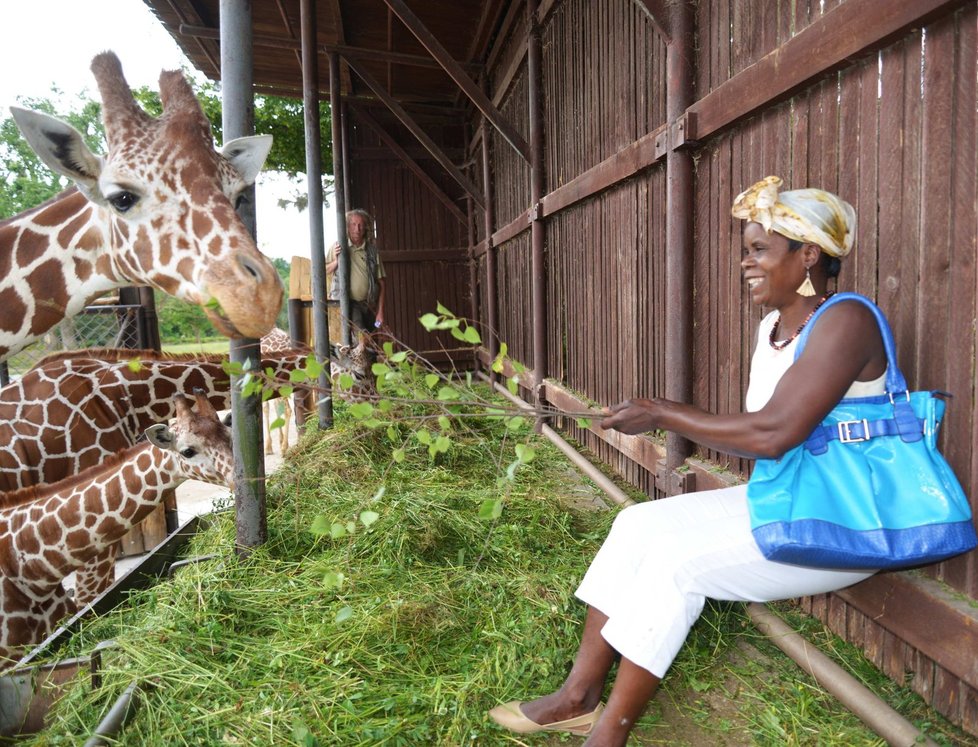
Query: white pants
x=663, y=558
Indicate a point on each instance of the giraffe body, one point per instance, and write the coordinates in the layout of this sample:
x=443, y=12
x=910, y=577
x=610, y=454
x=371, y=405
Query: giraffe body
x=49, y=531
x=157, y=210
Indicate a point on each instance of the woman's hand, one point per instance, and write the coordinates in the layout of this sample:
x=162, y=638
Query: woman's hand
x=632, y=416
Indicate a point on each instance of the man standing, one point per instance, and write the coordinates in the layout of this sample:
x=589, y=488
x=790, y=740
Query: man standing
x=366, y=272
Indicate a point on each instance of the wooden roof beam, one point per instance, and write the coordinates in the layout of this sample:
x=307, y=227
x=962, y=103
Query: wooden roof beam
x=658, y=11
x=285, y=42
x=415, y=130
x=462, y=80
x=364, y=116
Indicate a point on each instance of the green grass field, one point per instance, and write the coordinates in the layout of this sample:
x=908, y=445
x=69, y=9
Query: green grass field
x=215, y=345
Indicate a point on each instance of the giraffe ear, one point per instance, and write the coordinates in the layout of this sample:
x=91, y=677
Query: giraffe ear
x=247, y=155
x=160, y=435
x=60, y=146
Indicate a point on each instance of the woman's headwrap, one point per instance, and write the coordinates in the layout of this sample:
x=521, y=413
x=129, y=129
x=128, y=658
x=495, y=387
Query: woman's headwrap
x=808, y=215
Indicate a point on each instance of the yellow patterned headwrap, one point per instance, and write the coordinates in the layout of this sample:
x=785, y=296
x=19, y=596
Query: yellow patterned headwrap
x=808, y=215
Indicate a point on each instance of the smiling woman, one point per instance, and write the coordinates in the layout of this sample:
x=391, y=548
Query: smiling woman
x=663, y=559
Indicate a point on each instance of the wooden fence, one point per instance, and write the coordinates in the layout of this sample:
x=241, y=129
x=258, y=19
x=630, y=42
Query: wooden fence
x=873, y=100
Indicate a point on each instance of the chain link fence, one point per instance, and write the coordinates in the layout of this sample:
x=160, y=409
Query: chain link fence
x=107, y=326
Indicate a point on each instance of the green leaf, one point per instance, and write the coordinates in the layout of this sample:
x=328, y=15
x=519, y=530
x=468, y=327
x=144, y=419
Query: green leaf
x=441, y=444
x=583, y=422
x=361, y=410
x=333, y=579
x=351, y=527
x=345, y=381
x=444, y=423
x=398, y=357
x=512, y=384
x=428, y=321
x=511, y=470
x=389, y=349
x=423, y=436
x=398, y=455
x=447, y=393
x=385, y=405
x=491, y=508
x=442, y=310
x=472, y=336
x=525, y=453
x=431, y=379
x=344, y=614
x=378, y=369
x=457, y=334
x=319, y=526
x=297, y=376
x=286, y=391
x=267, y=393
x=515, y=423
x=337, y=530
x=379, y=494
x=448, y=324
x=313, y=367
x=368, y=517
x=276, y=424
x=135, y=365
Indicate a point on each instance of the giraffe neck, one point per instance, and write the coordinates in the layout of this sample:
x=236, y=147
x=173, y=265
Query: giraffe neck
x=68, y=523
x=58, y=255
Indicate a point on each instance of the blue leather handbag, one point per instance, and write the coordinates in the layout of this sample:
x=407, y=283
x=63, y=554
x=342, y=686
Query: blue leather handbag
x=868, y=489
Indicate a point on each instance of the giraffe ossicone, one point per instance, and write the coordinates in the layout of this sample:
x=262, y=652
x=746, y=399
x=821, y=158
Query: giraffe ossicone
x=158, y=209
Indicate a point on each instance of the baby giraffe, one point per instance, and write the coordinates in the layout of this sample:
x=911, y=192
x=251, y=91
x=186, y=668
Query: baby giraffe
x=48, y=531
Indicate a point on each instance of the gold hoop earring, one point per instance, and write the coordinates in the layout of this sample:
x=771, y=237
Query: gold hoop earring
x=806, y=289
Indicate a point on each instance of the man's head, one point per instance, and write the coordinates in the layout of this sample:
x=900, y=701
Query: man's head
x=358, y=224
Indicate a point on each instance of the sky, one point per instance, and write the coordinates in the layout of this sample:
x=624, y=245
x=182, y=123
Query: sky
x=53, y=45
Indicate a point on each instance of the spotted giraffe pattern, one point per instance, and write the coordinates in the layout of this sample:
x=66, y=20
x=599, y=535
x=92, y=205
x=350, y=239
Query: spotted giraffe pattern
x=157, y=210
x=47, y=532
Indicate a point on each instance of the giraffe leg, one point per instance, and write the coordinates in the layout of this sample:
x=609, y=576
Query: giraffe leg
x=287, y=417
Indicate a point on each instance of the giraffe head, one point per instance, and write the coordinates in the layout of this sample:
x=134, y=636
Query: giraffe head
x=199, y=441
x=166, y=199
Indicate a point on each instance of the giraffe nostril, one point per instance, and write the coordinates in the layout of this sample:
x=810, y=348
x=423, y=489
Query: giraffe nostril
x=251, y=268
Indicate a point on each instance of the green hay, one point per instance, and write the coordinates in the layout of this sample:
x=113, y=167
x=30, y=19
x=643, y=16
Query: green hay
x=438, y=616
x=406, y=631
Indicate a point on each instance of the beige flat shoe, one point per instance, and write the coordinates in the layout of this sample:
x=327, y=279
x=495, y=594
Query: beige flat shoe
x=510, y=716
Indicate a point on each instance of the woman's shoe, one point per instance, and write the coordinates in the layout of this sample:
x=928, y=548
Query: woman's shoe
x=510, y=716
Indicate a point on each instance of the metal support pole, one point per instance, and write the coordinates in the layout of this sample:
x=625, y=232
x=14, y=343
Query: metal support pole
x=679, y=228
x=152, y=323
x=538, y=271
x=473, y=274
x=492, y=295
x=345, y=150
x=314, y=182
x=238, y=107
x=339, y=193
x=299, y=335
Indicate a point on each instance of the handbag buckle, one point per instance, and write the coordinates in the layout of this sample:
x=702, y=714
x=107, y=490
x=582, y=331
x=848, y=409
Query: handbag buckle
x=845, y=431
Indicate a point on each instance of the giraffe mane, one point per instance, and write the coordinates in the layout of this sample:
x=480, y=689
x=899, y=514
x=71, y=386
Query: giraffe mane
x=24, y=496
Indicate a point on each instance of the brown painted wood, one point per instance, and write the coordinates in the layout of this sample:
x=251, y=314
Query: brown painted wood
x=512, y=229
x=459, y=254
x=457, y=74
x=894, y=601
x=854, y=28
x=416, y=169
x=416, y=130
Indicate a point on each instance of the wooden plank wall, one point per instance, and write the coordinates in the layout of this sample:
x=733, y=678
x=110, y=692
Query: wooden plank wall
x=894, y=132
x=423, y=246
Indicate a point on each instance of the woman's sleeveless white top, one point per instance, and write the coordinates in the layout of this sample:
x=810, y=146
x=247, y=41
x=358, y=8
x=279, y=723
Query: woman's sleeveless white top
x=768, y=365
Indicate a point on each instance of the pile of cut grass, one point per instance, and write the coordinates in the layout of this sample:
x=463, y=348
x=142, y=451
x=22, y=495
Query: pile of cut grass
x=438, y=614
x=406, y=631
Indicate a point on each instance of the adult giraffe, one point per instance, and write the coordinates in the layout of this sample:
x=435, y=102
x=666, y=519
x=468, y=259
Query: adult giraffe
x=157, y=210
x=47, y=532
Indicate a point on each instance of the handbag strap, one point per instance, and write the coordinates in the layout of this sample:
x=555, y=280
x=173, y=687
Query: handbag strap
x=896, y=384
x=904, y=423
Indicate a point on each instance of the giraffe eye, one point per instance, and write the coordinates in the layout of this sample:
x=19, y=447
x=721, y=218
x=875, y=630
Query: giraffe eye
x=123, y=201
x=189, y=452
